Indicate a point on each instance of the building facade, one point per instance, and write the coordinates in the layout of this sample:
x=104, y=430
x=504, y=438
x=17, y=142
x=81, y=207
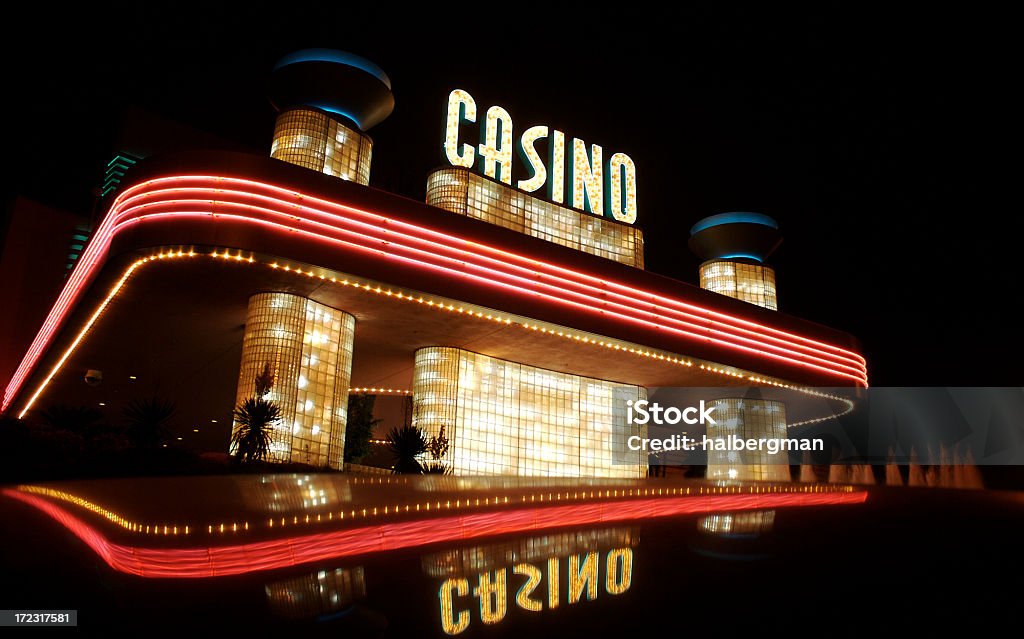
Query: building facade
x=521, y=326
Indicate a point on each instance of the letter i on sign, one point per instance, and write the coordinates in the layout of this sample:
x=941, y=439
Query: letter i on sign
x=556, y=186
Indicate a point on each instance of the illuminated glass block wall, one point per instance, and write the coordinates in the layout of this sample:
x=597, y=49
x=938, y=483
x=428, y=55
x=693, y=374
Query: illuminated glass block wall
x=309, y=348
x=460, y=191
x=754, y=283
x=748, y=419
x=506, y=418
x=317, y=141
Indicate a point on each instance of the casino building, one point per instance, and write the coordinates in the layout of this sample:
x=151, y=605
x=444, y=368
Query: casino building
x=520, y=324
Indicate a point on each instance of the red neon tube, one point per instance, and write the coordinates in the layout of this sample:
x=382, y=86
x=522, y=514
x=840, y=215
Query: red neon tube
x=523, y=281
x=383, y=225
x=149, y=199
x=586, y=305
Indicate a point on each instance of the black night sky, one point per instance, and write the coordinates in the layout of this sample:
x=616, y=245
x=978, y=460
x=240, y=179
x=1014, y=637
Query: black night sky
x=870, y=136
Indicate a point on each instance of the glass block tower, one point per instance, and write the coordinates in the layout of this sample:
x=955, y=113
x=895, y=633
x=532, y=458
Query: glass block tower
x=748, y=418
x=326, y=100
x=734, y=247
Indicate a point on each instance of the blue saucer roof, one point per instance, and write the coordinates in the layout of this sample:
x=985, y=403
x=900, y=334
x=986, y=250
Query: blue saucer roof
x=334, y=55
x=739, y=235
x=338, y=82
x=738, y=217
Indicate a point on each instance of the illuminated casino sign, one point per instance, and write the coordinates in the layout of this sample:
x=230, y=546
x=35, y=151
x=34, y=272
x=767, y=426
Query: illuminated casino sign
x=597, y=185
x=491, y=589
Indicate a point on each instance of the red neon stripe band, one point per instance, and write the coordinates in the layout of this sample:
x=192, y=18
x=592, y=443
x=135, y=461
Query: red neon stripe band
x=378, y=220
x=526, y=276
x=489, y=281
x=725, y=325
x=488, y=277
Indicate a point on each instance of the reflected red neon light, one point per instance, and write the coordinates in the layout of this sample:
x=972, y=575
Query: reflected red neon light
x=290, y=212
x=221, y=561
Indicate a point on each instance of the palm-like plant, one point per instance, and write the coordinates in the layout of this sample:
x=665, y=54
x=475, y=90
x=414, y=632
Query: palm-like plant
x=407, y=444
x=255, y=419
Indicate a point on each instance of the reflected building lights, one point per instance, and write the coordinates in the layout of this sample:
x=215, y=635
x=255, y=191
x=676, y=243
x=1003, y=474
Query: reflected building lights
x=535, y=549
x=740, y=523
x=295, y=494
x=317, y=594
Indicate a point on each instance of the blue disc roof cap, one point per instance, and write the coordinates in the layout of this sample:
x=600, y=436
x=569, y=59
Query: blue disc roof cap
x=339, y=57
x=734, y=218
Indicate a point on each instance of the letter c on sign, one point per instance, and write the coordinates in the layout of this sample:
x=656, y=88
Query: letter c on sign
x=461, y=108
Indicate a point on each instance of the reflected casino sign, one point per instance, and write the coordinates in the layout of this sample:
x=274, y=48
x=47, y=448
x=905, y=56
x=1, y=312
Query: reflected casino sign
x=597, y=186
x=492, y=588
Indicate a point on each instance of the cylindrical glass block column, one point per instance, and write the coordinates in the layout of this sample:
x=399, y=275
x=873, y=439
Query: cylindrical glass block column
x=309, y=349
x=747, y=419
x=315, y=140
x=754, y=283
